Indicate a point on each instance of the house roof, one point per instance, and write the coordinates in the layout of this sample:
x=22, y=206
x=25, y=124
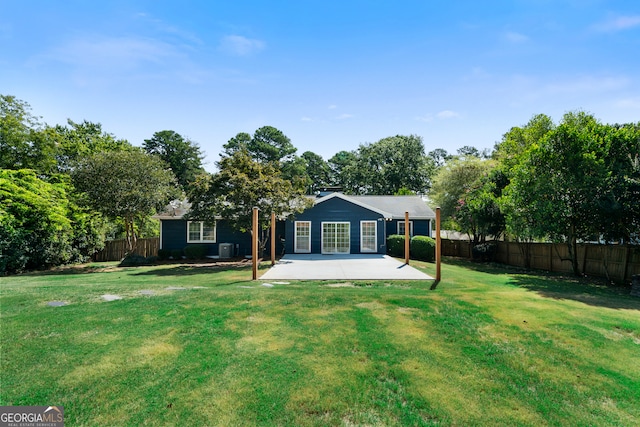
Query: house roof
x=391, y=207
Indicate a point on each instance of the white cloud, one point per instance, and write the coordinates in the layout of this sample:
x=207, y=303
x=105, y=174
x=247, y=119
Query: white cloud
x=447, y=114
x=618, y=23
x=332, y=107
x=344, y=116
x=306, y=119
x=630, y=103
x=241, y=46
x=513, y=37
x=587, y=84
x=427, y=118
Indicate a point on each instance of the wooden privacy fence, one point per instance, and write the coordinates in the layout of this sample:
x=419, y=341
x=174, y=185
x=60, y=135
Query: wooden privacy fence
x=115, y=250
x=618, y=262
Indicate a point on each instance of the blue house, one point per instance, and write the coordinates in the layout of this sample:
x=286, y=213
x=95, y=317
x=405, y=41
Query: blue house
x=335, y=224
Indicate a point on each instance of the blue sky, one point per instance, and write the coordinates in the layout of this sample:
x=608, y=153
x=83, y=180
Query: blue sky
x=330, y=74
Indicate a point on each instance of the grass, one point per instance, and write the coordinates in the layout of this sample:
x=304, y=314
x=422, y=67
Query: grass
x=488, y=347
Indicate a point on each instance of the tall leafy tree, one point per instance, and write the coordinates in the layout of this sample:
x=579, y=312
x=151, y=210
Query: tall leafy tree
x=76, y=141
x=554, y=190
x=267, y=144
x=241, y=184
x=41, y=225
x=343, y=171
x=317, y=171
x=478, y=212
x=23, y=142
x=125, y=185
x=182, y=155
x=454, y=180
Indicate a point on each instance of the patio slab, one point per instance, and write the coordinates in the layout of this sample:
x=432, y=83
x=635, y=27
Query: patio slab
x=342, y=267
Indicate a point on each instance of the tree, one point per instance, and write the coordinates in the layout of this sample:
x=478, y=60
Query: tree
x=182, y=155
x=41, y=225
x=454, y=180
x=267, y=144
x=343, y=167
x=519, y=139
x=126, y=185
x=440, y=156
x=241, y=184
x=555, y=188
x=478, y=213
x=317, y=171
x=78, y=140
x=23, y=144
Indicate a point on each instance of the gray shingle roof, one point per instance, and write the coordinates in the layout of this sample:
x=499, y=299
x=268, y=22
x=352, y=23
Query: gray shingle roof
x=390, y=206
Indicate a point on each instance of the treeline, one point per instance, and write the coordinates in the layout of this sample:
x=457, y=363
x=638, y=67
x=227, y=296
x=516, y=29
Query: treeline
x=575, y=181
x=65, y=189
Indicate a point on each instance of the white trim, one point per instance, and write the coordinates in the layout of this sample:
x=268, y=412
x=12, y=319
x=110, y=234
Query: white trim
x=295, y=238
x=375, y=236
x=335, y=245
x=215, y=232
x=386, y=215
x=410, y=228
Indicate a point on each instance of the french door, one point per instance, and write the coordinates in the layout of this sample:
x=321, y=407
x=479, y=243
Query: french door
x=336, y=237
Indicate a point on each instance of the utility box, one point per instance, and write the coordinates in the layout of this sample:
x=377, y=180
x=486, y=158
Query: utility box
x=225, y=250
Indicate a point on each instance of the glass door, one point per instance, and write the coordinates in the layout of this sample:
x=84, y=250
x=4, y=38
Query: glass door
x=336, y=238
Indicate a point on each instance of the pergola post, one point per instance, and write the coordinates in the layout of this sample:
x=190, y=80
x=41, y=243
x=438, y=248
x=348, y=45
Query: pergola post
x=254, y=243
x=438, y=246
x=406, y=238
x=273, y=238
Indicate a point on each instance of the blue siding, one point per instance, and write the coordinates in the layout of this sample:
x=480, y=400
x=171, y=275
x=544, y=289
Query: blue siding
x=336, y=210
x=174, y=236
x=421, y=227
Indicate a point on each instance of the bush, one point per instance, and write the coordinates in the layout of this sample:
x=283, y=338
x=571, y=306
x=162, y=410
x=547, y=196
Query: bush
x=195, y=251
x=176, y=254
x=164, y=254
x=134, y=260
x=423, y=248
x=485, y=252
x=395, y=245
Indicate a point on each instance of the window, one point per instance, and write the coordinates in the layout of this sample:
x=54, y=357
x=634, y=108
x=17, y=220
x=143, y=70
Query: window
x=336, y=237
x=401, y=230
x=302, y=237
x=368, y=236
x=201, y=232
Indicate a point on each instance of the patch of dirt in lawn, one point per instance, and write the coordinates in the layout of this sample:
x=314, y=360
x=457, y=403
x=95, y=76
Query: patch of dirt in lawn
x=341, y=285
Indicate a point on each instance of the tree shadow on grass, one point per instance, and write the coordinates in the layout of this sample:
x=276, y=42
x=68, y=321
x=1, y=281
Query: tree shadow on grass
x=588, y=290
x=584, y=290
x=190, y=270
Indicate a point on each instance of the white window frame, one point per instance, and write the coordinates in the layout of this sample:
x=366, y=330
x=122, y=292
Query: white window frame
x=201, y=240
x=295, y=238
x=375, y=236
x=410, y=228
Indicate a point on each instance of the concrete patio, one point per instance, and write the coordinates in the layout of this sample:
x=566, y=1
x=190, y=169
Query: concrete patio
x=342, y=267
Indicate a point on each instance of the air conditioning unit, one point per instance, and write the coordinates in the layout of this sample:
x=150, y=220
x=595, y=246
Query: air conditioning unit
x=225, y=250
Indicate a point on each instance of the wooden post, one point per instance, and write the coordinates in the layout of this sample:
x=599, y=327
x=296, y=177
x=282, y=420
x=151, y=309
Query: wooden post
x=438, y=246
x=407, y=238
x=254, y=243
x=273, y=238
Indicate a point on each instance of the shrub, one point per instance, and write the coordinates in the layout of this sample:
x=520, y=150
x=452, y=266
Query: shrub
x=395, y=245
x=195, y=251
x=176, y=254
x=164, y=254
x=134, y=260
x=485, y=252
x=423, y=248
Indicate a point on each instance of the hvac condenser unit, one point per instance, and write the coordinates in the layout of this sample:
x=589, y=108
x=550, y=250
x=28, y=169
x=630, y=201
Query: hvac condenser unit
x=225, y=250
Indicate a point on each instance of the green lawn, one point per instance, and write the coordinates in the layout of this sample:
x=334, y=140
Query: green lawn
x=487, y=347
